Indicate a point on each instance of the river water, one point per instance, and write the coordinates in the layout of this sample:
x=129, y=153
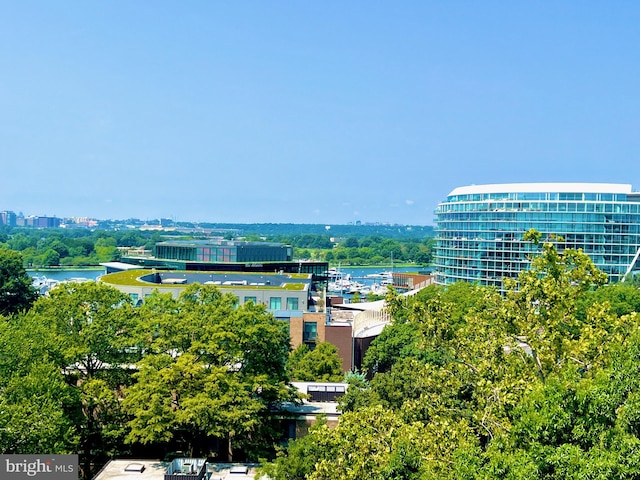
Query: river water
x=360, y=273
x=357, y=273
x=59, y=275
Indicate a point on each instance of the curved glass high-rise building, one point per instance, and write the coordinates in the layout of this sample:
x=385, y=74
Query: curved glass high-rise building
x=480, y=228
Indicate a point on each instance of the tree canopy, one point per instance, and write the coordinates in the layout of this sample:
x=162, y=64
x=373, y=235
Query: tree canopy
x=85, y=371
x=538, y=383
x=210, y=369
x=322, y=364
x=16, y=290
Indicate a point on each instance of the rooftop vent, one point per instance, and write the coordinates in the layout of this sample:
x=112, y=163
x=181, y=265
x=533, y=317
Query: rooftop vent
x=239, y=469
x=134, y=467
x=186, y=469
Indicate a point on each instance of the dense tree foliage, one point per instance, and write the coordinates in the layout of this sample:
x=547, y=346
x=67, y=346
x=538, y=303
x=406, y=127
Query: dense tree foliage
x=275, y=230
x=541, y=383
x=378, y=250
x=16, y=292
x=82, y=247
x=85, y=371
x=211, y=369
x=322, y=364
x=76, y=247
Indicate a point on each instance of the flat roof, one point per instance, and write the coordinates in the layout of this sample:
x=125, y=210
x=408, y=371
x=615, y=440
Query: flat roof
x=544, y=187
x=130, y=470
x=179, y=278
x=155, y=469
x=219, y=243
x=121, y=266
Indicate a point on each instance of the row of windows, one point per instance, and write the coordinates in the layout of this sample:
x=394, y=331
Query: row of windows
x=216, y=254
x=537, y=217
x=253, y=253
x=624, y=254
x=576, y=196
x=539, y=207
x=224, y=253
x=613, y=265
x=275, y=303
x=617, y=234
x=594, y=237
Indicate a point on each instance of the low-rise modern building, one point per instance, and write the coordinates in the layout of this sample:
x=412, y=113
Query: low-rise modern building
x=480, y=228
x=289, y=297
x=225, y=255
x=223, y=251
x=284, y=294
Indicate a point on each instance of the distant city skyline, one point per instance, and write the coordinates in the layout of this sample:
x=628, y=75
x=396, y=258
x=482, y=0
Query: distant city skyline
x=332, y=112
x=12, y=218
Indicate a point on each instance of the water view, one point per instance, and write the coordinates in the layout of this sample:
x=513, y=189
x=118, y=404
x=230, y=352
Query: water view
x=61, y=275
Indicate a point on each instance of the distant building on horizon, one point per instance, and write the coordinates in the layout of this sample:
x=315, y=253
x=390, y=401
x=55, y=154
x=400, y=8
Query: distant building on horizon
x=480, y=228
x=8, y=218
x=37, y=221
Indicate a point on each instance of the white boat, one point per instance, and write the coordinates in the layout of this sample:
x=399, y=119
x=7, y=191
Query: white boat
x=386, y=275
x=364, y=290
x=43, y=284
x=338, y=281
x=340, y=284
x=379, y=289
x=334, y=274
x=356, y=287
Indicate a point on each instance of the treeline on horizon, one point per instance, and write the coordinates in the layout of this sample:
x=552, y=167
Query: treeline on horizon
x=347, y=245
x=275, y=229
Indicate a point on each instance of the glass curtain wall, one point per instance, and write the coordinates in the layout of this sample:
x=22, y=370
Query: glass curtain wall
x=479, y=234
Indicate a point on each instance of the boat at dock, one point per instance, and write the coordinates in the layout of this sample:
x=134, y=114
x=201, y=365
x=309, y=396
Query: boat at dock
x=43, y=284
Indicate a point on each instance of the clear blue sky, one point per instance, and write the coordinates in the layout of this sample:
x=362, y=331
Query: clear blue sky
x=308, y=112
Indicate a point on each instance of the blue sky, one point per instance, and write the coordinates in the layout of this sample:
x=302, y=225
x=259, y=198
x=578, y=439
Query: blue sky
x=308, y=112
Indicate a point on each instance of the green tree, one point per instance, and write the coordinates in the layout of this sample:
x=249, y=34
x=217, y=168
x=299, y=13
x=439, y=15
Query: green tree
x=33, y=418
x=373, y=443
x=50, y=258
x=35, y=399
x=21, y=241
x=60, y=248
x=322, y=364
x=538, y=383
x=622, y=298
x=212, y=369
x=16, y=290
x=543, y=308
x=106, y=250
x=350, y=242
x=90, y=338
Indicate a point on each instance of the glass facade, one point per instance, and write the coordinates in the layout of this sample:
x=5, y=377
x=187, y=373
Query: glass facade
x=480, y=228
x=223, y=251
